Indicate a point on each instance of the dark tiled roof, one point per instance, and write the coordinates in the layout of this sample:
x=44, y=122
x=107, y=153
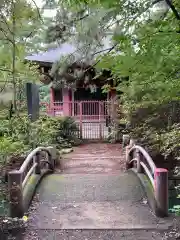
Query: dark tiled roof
x=52, y=55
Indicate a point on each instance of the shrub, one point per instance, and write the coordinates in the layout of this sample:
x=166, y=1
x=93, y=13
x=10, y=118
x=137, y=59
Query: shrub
x=19, y=136
x=176, y=208
x=59, y=131
x=170, y=142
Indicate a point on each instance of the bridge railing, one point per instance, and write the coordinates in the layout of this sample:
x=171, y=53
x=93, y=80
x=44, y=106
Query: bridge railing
x=22, y=183
x=138, y=159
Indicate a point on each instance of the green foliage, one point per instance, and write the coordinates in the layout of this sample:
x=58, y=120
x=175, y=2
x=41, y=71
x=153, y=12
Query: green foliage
x=157, y=128
x=10, y=148
x=150, y=97
x=19, y=22
x=170, y=142
x=60, y=131
x=44, y=92
x=176, y=208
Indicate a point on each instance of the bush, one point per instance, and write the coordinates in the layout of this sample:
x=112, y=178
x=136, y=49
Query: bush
x=9, y=150
x=156, y=126
x=176, y=208
x=59, y=131
x=170, y=142
x=19, y=136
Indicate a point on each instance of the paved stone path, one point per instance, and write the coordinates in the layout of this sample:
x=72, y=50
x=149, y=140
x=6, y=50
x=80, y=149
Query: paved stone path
x=92, y=198
x=94, y=158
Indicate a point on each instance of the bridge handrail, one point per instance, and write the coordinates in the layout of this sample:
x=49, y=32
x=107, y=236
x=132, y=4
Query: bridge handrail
x=34, y=157
x=138, y=149
x=18, y=179
x=157, y=176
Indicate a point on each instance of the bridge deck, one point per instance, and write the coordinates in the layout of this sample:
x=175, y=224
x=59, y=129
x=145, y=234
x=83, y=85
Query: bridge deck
x=92, y=192
x=91, y=202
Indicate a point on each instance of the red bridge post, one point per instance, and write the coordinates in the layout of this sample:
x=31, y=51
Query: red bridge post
x=161, y=191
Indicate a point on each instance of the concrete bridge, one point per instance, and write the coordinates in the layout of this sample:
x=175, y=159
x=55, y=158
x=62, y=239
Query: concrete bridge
x=97, y=192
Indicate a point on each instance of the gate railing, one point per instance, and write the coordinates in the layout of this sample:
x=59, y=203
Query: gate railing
x=35, y=164
x=139, y=159
x=93, y=117
x=91, y=109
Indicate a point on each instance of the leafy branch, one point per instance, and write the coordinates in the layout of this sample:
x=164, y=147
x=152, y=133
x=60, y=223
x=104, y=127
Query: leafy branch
x=39, y=14
x=5, y=70
x=173, y=8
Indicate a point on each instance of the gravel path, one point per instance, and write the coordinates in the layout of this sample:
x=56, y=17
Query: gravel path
x=87, y=201
x=88, y=235
x=94, y=158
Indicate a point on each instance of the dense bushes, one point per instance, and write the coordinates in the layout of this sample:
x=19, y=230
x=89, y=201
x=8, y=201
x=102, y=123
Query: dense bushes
x=19, y=135
x=157, y=128
x=60, y=131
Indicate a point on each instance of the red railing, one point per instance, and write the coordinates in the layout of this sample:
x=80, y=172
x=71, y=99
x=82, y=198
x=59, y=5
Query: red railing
x=91, y=110
x=83, y=109
x=138, y=159
x=92, y=117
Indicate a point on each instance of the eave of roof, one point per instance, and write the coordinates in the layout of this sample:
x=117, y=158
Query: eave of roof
x=52, y=55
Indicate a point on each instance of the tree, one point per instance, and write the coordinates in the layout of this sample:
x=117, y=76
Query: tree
x=97, y=27
x=94, y=20
x=19, y=21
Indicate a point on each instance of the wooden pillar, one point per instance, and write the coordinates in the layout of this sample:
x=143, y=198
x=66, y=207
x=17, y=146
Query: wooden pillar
x=32, y=92
x=113, y=93
x=37, y=160
x=73, y=102
x=80, y=120
x=113, y=106
x=52, y=100
x=108, y=111
x=161, y=191
x=127, y=157
x=138, y=156
x=53, y=157
x=16, y=206
x=66, y=102
x=113, y=115
x=100, y=120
